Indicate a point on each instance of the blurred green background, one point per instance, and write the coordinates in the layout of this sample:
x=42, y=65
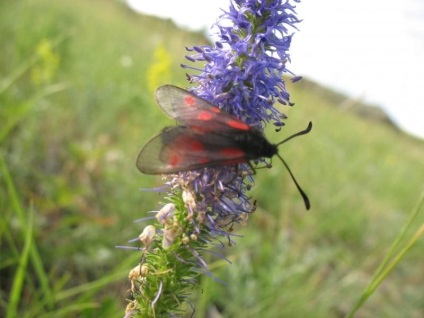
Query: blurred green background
x=76, y=104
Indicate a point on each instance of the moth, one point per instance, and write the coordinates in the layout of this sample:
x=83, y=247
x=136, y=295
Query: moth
x=206, y=137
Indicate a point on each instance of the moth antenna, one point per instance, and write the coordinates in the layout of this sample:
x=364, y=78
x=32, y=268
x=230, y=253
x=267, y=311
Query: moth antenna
x=303, y=132
x=302, y=193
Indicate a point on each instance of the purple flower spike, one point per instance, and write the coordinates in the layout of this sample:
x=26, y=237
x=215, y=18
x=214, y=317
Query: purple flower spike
x=242, y=73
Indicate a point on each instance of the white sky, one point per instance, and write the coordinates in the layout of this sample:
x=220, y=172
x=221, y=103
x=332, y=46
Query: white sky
x=371, y=49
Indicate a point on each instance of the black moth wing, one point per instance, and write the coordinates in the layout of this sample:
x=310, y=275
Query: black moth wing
x=195, y=112
x=178, y=149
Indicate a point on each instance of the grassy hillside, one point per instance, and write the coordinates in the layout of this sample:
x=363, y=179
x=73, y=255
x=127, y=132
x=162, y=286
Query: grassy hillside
x=76, y=105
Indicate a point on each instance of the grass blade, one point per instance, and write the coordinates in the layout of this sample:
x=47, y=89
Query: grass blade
x=19, y=278
x=386, y=266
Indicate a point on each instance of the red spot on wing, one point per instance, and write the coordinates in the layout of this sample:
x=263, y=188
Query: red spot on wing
x=215, y=110
x=189, y=100
x=237, y=124
x=194, y=145
x=178, y=148
x=174, y=160
x=205, y=115
x=233, y=156
x=232, y=153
